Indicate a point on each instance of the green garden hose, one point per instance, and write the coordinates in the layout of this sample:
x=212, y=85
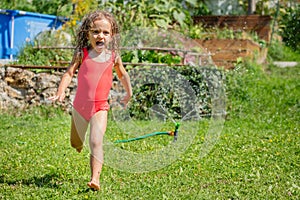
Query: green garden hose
x=171, y=133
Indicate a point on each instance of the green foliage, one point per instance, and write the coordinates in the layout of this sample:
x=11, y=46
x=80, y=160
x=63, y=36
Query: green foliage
x=245, y=76
x=286, y=19
x=199, y=32
x=266, y=7
x=196, y=7
x=43, y=57
x=176, y=91
x=249, y=81
x=149, y=56
x=32, y=55
x=53, y=7
x=277, y=51
x=291, y=27
x=263, y=7
x=155, y=13
x=16, y=5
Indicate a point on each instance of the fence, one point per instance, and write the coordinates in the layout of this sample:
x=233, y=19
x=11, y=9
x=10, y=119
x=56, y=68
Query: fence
x=198, y=58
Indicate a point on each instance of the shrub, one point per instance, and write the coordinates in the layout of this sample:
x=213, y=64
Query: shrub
x=183, y=92
x=290, y=32
x=277, y=51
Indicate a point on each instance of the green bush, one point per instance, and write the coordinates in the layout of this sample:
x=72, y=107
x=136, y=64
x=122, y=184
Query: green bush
x=32, y=55
x=182, y=92
x=42, y=57
x=290, y=33
x=278, y=51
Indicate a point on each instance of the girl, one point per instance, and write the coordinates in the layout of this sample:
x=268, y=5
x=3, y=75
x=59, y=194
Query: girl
x=95, y=57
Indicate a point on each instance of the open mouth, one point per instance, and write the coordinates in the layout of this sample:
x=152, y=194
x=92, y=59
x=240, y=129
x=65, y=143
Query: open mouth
x=100, y=44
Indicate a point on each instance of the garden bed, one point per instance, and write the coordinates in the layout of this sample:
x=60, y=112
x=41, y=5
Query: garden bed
x=248, y=23
x=226, y=52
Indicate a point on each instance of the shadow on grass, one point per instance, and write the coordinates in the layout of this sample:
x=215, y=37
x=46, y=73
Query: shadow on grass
x=48, y=180
x=51, y=180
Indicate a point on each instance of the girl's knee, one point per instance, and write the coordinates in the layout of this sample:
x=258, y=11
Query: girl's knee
x=96, y=144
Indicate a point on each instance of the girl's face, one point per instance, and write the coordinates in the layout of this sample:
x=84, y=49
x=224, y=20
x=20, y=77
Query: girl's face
x=100, y=35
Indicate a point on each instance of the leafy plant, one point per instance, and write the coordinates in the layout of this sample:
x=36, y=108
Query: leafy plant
x=291, y=27
x=157, y=13
x=53, y=7
x=31, y=54
x=278, y=51
x=177, y=91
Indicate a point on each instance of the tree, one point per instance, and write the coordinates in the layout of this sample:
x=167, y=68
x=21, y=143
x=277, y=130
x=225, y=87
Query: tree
x=51, y=7
x=251, y=7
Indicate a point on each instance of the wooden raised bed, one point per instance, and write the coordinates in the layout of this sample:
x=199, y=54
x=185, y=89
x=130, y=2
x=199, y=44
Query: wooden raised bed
x=225, y=52
x=248, y=23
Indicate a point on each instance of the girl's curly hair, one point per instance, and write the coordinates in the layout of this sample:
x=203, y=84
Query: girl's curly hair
x=87, y=23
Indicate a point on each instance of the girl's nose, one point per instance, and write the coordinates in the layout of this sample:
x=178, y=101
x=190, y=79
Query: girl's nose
x=100, y=35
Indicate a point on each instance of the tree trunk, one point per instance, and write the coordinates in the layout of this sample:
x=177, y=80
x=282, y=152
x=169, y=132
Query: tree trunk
x=251, y=7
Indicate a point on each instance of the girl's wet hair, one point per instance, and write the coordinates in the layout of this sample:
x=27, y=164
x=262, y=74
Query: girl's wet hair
x=87, y=23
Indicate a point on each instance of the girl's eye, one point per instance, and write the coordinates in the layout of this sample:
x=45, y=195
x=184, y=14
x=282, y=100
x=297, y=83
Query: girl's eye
x=95, y=32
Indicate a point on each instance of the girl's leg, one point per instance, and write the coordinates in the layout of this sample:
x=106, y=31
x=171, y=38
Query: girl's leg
x=78, y=130
x=97, y=130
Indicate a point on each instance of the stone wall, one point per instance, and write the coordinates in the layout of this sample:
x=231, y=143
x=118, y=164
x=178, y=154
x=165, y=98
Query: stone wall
x=20, y=89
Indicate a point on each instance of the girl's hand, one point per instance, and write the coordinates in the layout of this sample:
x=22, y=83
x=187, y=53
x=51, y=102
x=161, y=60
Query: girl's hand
x=125, y=100
x=59, y=96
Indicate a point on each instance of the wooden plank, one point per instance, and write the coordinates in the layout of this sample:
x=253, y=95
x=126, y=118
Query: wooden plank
x=65, y=67
x=228, y=44
x=246, y=23
x=135, y=48
x=184, y=53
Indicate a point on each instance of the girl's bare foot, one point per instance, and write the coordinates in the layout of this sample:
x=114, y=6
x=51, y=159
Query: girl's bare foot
x=96, y=167
x=79, y=149
x=94, y=185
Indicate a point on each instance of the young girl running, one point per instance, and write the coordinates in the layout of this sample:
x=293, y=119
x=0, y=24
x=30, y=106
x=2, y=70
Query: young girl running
x=95, y=56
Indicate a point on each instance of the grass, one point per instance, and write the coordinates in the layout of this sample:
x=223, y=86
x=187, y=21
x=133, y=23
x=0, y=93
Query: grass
x=280, y=52
x=256, y=157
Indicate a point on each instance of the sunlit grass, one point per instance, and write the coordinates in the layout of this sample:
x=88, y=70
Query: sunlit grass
x=256, y=156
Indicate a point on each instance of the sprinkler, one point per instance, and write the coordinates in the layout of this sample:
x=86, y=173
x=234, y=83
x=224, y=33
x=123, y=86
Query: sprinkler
x=176, y=131
x=170, y=133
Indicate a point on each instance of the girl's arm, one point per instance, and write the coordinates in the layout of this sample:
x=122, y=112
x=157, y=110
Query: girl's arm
x=66, y=80
x=124, y=78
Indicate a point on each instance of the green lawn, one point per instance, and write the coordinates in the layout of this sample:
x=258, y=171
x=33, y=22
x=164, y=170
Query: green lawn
x=256, y=157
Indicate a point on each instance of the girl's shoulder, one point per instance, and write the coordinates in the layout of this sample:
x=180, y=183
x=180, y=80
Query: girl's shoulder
x=85, y=52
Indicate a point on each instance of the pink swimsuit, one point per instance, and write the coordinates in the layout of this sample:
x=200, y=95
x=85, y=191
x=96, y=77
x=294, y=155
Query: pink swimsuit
x=94, y=84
